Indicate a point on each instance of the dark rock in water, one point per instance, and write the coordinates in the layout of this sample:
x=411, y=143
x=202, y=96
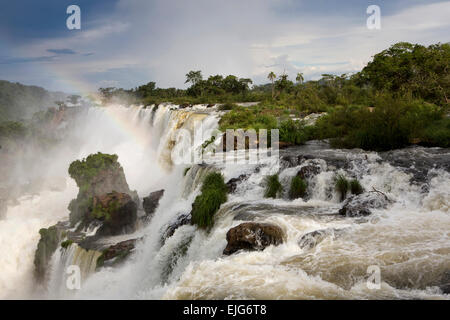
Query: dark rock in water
x=312, y=239
x=181, y=220
x=151, y=202
x=360, y=205
x=232, y=183
x=116, y=253
x=210, y=105
x=47, y=245
x=252, y=236
x=308, y=171
x=445, y=283
x=117, y=211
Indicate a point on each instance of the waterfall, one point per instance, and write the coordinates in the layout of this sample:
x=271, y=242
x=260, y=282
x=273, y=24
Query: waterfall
x=408, y=241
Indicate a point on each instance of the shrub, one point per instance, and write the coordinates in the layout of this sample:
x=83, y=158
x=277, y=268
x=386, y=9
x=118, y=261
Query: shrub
x=293, y=132
x=273, y=186
x=342, y=186
x=65, y=244
x=298, y=188
x=356, y=187
x=213, y=194
x=437, y=134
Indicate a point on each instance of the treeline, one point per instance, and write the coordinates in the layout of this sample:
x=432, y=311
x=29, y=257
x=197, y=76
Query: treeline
x=18, y=101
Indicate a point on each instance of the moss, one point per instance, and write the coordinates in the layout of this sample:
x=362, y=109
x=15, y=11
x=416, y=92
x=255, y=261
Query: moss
x=47, y=245
x=67, y=243
x=356, y=187
x=104, y=213
x=83, y=171
x=273, y=186
x=298, y=188
x=213, y=194
x=342, y=186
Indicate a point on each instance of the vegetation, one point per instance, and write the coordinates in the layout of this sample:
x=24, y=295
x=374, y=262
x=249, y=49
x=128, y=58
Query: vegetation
x=356, y=187
x=213, y=194
x=66, y=243
x=83, y=171
x=47, y=245
x=342, y=186
x=298, y=188
x=273, y=186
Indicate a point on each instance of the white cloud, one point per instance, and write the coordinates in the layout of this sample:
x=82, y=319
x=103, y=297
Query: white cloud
x=165, y=39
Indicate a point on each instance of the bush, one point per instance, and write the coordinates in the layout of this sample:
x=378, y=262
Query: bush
x=293, y=132
x=213, y=194
x=342, y=185
x=437, y=134
x=298, y=188
x=273, y=186
x=356, y=187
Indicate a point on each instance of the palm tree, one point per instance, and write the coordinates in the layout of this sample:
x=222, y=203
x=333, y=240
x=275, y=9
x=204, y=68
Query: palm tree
x=272, y=76
x=299, y=78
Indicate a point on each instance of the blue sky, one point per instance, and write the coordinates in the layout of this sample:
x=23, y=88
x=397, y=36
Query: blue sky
x=125, y=43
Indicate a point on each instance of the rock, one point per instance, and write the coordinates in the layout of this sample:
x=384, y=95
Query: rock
x=47, y=245
x=97, y=175
x=151, y=202
x=252, y=236
x=360, y=205
x=445, y=283
x=312, y=239
x=308, y=171
x=181, y=220
x=116, y=253
x=232, y=183
x=284, y=145
x=117, y=211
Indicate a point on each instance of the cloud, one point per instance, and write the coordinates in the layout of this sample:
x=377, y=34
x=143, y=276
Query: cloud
x=141, y=41
x=61, y=51
x=12, y=60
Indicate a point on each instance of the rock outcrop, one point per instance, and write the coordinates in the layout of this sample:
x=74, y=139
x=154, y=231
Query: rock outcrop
x=117, y=211
x=252, y=236
x=116, y=253
x=97, y=175
x=181, y=220
x=361, y=205
x=47, y=245
x=151, y=202
x=232, y=183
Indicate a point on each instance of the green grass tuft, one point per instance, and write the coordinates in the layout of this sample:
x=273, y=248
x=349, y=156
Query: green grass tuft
x=273, y=186
x=342, y=186
x=298, y=188
x=213, y=194
x=356, y=187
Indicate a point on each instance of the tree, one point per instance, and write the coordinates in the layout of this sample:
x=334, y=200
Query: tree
x=272, y=76
x=194, y=77
x=299, y=78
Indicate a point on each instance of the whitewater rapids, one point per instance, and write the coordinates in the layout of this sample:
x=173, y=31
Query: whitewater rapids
x=409, y=241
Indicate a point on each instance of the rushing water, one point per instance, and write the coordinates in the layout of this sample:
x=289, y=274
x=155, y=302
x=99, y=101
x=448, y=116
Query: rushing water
x=409, y=241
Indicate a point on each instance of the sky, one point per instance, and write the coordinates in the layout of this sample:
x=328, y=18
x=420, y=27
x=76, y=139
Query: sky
x=126, y=43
